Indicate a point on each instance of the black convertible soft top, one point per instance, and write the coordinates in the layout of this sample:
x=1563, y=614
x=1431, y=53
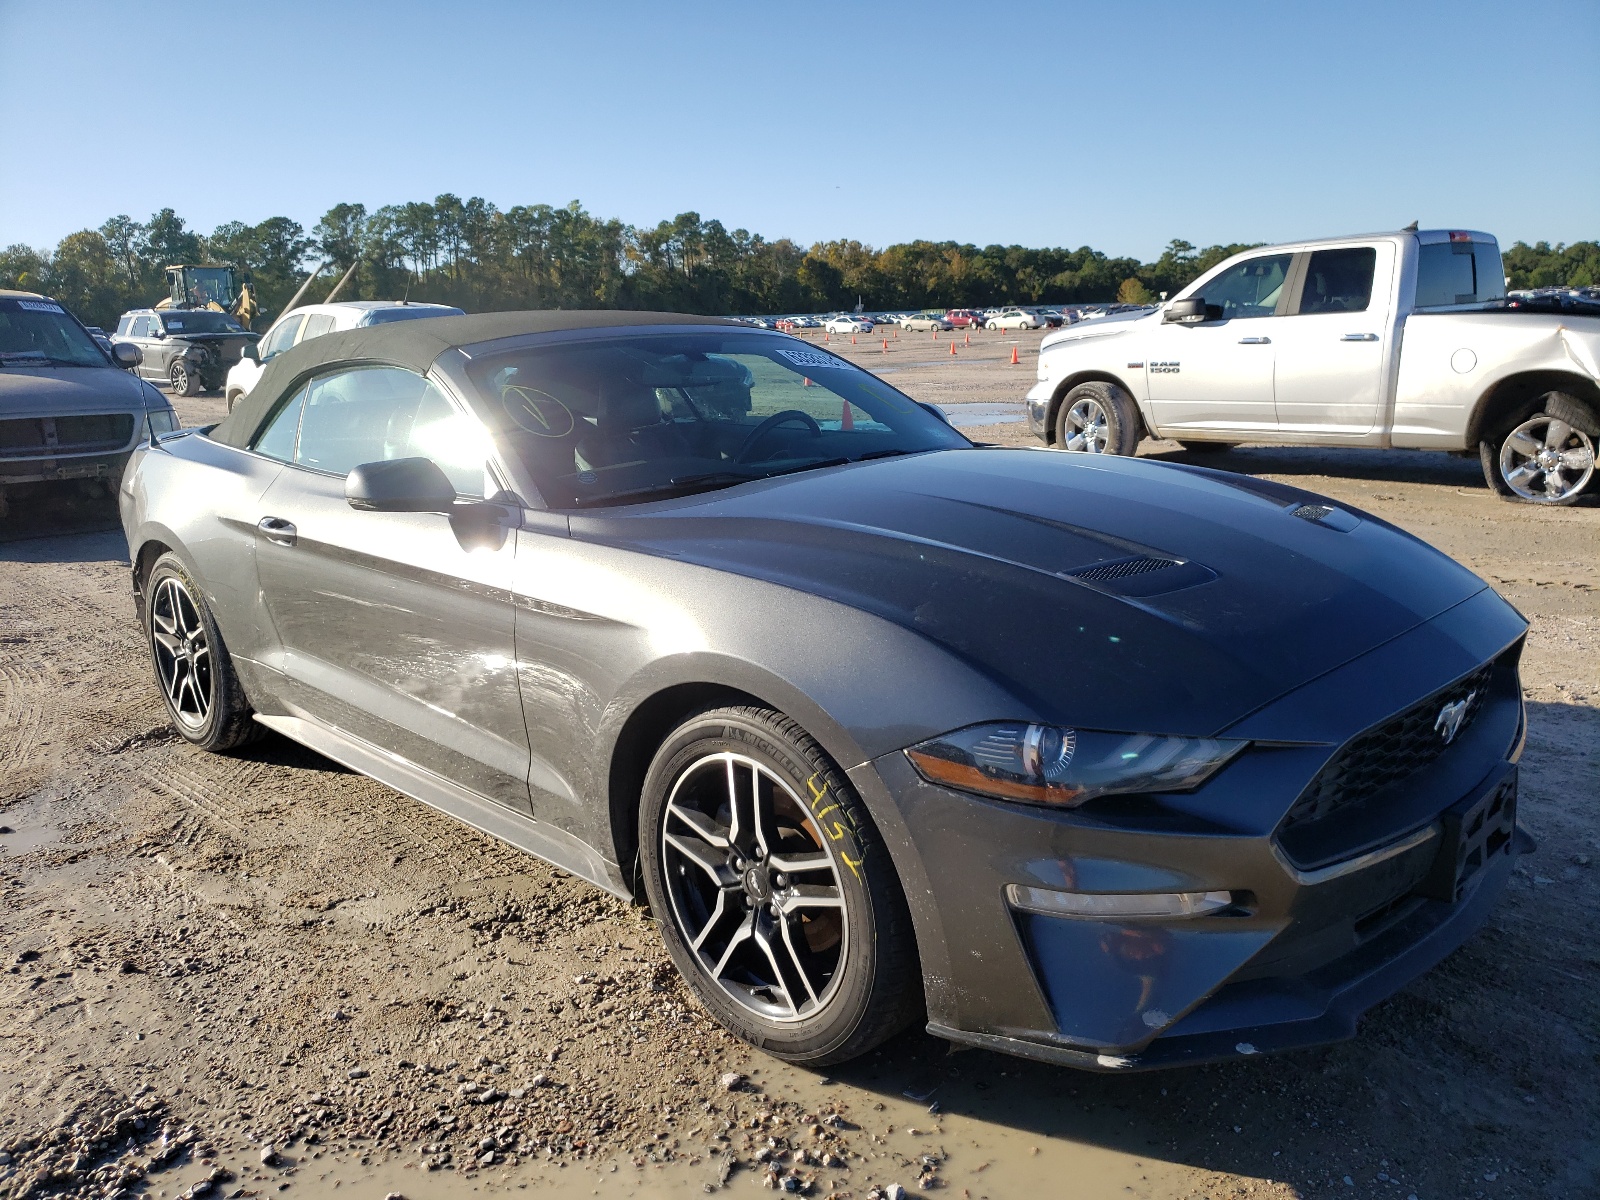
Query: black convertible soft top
x=415, y=345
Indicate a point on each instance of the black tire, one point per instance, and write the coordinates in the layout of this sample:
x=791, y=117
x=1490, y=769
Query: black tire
x=184, y=381
x=1572, y=483
x=859, y=963
x=211, y=711
x=1207, y=447
x=1119, y=432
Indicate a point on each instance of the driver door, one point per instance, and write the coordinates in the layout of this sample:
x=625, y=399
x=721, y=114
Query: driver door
x=1218, y=375
x=390, y=626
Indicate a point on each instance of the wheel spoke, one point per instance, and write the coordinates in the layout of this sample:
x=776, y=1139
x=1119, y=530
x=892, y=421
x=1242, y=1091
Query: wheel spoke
x=1556, y=434
x=742, y=934
x=704, y=857
x=764, y=941
x=704, y=826
x=716, y=917
x=1555, y=484
x=794, y=864
x=811, y=896
x=171, y=644
x=1525, y=444
x=1522, y=473
x=1579, y=458
x=794, y=957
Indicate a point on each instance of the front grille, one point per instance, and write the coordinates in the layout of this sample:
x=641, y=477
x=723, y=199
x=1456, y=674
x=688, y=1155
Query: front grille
x=33, y=437
x=1393, y=751
x=1122, y=568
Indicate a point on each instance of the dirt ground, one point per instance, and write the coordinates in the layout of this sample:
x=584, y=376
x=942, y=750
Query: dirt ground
x=262, y=974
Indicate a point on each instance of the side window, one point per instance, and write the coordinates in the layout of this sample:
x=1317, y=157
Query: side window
x=124, y=324
x=277, y=437
x=370, y=414
x=317, y=324
x=281, y=338
x=1250, y=289
x=142, y=325
x=1339, y=280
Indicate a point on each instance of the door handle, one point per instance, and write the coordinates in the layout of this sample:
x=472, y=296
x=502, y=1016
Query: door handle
x=1255, y=341
x=1359, y=337
x=276, y=529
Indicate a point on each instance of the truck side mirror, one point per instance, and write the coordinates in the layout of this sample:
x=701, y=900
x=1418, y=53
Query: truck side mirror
x=1191, y=311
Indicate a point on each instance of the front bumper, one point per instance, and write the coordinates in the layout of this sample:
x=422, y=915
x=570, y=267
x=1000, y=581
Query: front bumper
x=1037, y=402
x=1310, y=943
x=47, y=470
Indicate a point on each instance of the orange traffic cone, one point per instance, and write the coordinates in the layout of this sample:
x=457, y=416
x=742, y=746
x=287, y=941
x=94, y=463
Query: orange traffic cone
x=969, y=338
x=807, y=382
x=952, y=348
x=824, y=336
x=886, y=345
x=1013, y=356
x=846, y=418
x=852, y=339
x=897, y=335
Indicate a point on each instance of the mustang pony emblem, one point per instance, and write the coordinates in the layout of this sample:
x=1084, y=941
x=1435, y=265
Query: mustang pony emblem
x=1448, y=723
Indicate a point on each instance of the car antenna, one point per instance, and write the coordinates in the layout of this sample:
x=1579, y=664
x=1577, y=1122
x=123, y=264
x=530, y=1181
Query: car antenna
x=1411, y=228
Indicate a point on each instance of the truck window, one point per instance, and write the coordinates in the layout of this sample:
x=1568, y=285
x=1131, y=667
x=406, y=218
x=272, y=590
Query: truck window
x=1450, y=273
x=1250, y=289
x=1339, y=280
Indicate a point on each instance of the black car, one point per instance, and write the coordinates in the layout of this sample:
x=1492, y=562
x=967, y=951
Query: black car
x=189, y=348
x=1105, y=761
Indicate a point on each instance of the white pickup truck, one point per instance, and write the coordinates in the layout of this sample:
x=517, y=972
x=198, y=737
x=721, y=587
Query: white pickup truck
x=1392, y=340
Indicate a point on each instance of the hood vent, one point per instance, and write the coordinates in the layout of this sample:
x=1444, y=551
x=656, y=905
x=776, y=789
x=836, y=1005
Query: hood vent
x=1326, y=515
x=1142, y=575
x=1121, y=569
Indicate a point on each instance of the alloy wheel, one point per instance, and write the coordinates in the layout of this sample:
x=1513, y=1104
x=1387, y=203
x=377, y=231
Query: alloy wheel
x=182, y=652
x=1088, y=429
x=1546, y=460
x=754, y=889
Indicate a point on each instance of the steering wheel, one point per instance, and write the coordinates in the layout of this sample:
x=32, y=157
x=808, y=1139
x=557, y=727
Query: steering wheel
x=771, y=423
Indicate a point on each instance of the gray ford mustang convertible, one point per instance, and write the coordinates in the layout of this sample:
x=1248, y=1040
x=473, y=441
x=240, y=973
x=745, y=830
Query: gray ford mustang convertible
x=1102, y=761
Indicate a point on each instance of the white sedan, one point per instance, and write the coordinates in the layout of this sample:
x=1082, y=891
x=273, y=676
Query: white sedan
x=845, y=323
x=1014, y=318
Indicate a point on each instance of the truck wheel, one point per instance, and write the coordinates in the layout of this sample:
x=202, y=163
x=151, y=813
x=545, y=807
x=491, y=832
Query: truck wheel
x=1545, y=458
x=1097, y=418
x=182, y=379
x=233, y=398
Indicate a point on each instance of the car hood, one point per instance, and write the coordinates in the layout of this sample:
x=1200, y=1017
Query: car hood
x=1095, y=327
x=1034, y=568
x=57, y=391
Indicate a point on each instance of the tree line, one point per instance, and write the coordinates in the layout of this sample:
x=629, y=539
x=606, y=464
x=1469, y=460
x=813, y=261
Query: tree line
x=482, y=258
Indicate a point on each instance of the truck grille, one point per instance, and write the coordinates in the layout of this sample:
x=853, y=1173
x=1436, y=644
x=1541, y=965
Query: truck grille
x=1398, y=748
x=35, y=437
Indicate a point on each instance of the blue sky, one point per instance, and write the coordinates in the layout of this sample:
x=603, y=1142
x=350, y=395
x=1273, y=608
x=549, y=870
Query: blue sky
x=1118, y=125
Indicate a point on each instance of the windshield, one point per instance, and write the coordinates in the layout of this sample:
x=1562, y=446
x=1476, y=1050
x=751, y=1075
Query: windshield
x=41, y=330
x=192, y=320
x=652, y=415
x=382, y=316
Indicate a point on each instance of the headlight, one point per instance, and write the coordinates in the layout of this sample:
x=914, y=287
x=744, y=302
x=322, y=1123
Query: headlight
x=163, y=420
x=1043, y=764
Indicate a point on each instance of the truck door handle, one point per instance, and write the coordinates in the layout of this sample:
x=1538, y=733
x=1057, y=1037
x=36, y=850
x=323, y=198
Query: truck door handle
x=1359, y=337
x=1256, y=341
x=276, y=529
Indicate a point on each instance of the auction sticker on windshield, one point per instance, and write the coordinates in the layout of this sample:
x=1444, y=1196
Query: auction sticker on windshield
x=812, y=358
x=40, y=306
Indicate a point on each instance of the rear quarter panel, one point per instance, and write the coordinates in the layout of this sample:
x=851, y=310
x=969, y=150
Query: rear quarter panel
x=1450, y=362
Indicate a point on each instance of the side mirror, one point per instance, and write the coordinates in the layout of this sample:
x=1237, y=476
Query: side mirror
x=400, y=485
x=1191, y=311
x=935, y=410
x=126, y=355
x=251, y=353
x=159, y=331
